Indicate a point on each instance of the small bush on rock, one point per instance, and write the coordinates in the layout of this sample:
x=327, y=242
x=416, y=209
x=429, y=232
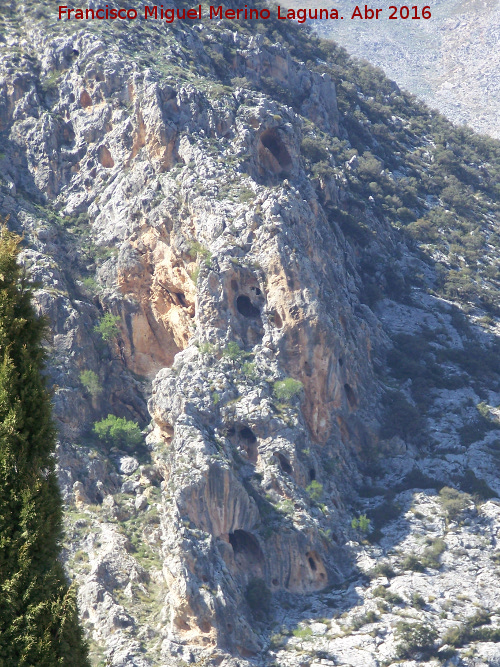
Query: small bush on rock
x=233, y=351
x=362, y=523
x=90, y=381
x=108, y=327
x=258, y=596
x=453, y=502
x=118, y=432
x=285, y=390
x=416, y=639
x=315, y=491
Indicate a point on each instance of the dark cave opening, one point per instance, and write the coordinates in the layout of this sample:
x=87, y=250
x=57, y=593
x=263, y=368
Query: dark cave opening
x=284, y=463
x=271, y=140
x=247, y=434
x=246, y=308
x=351, y=396
x=248, y=555
x=182, y=299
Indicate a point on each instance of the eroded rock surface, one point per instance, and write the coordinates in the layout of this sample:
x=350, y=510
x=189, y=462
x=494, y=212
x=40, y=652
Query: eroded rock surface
x=247, y=348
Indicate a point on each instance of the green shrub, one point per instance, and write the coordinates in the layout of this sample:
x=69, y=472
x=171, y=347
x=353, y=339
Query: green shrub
x=302, y=633
x=386, y=594
x=382, y=570
x=90, y=381
x=315, y=491
x=415, y=639
x=417, y=601
x=107, y=327
x=249, y=370
x=196, y=249
x=119, y=432
x=431, y=555
x=362, y=523
x=207, y=348
x=285, y=390
x=453, y=502
x=412, y=562
x=313, y=149
x=471, y=630
x=233, y=351
x=258, y=596
x=91, y=285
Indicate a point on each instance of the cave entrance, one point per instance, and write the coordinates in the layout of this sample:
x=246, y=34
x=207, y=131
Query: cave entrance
x=282, y=162
x=284, y=463
x=248, y=555
x=246, y=308
x=317, y=572
x=248, y=442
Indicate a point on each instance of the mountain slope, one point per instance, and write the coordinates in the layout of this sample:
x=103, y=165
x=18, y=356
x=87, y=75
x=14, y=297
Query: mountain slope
x=294, y=264
x=449, y=61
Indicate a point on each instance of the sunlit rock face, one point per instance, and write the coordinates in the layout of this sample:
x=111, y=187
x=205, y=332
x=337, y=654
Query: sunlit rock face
x=250, y=305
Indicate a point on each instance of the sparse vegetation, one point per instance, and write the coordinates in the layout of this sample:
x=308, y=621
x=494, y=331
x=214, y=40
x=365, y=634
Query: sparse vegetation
x=453, y=502
x=315, y=491
x=285, y=390
x=107, y=327
x=196, y=249
x=90, y=381
x=361, y=523
x=415, y=640
x=258, y=597
x=119, y=432
x=233, y=351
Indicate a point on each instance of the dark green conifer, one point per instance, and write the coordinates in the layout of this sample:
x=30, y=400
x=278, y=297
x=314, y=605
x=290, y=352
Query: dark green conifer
x=38, y=613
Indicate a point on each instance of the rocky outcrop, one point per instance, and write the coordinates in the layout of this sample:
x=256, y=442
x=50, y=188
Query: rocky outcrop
x=184, y=214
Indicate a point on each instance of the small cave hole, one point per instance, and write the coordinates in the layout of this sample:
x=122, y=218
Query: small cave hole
x=243, y=542
x=71, y=98
x=351, y=396
x=307, y=368
x=312, y=474
x=246, y=308
x=246, y=441
x=247, y=434
x=284, y=463
x=278, y=321
x=229, y=627
x=85, y=99
x=274, y=144
x=181, y=298
x=312, y=564
x=76, y=52
x=341, y=361
x=247, y=552
x=274, y=582
x=105, y=157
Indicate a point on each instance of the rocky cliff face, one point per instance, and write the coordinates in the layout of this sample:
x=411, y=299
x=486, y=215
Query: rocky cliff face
x=199, y=185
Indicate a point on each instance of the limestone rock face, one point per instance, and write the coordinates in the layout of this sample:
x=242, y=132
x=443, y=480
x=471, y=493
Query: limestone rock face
x=194, y=261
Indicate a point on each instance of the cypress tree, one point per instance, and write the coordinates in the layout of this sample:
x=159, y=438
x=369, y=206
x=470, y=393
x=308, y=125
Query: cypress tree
x=38, y=612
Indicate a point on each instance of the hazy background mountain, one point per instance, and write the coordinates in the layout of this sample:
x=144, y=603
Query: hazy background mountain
x=450, y=61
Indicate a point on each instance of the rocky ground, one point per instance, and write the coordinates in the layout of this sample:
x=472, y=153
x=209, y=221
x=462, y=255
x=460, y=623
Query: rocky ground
x=150, y=190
